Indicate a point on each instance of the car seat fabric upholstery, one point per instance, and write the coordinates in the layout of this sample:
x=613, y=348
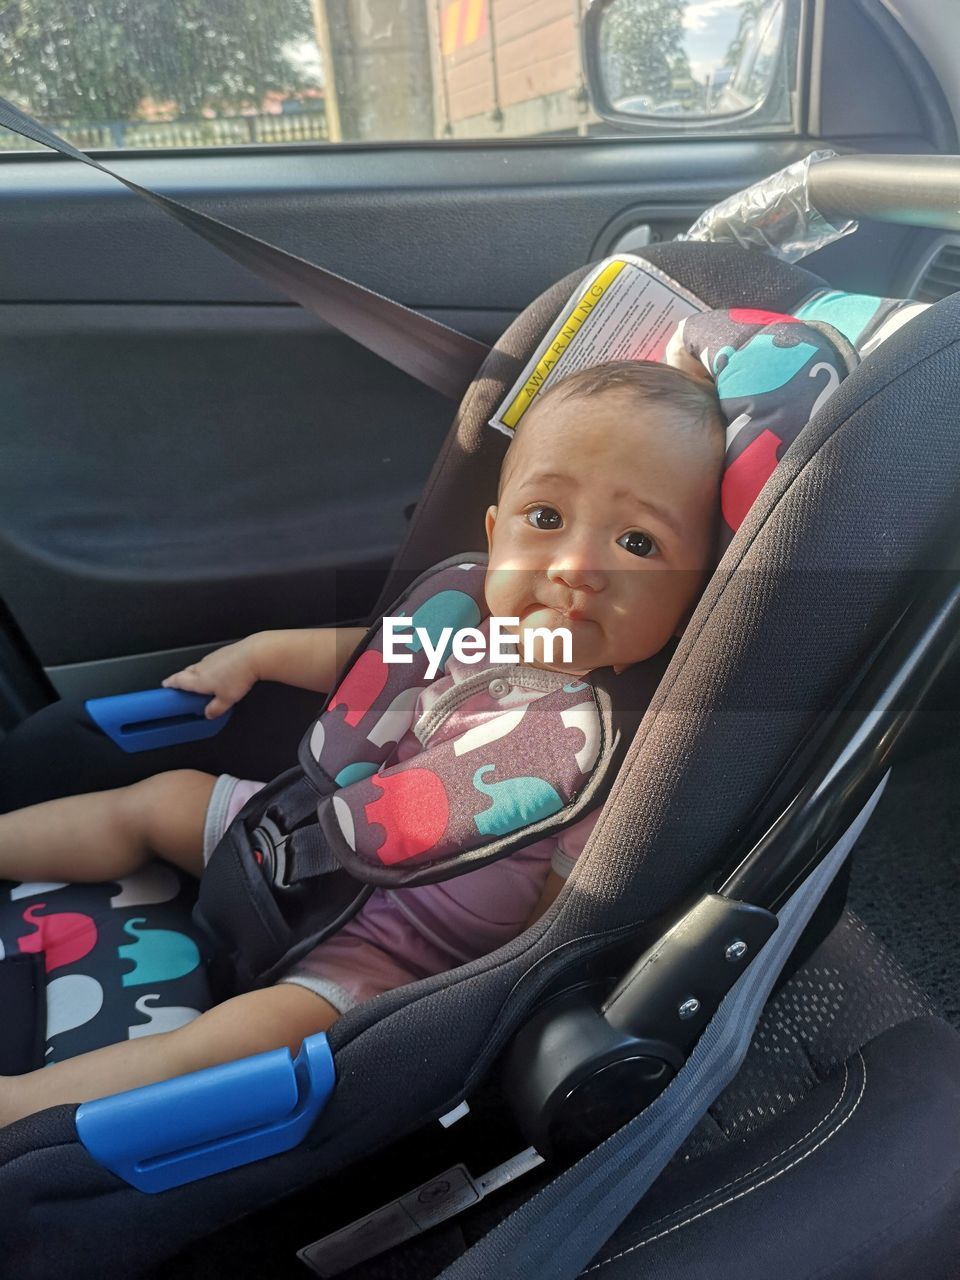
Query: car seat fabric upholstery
x=846, y=994
x=859, y=1181
x=788, y=1115
x=143, y=959
x=812, y=578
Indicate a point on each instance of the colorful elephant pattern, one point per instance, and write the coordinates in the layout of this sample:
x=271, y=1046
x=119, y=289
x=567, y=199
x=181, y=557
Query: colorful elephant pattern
x=507, y=769
x=773, y=372
x=121, y=958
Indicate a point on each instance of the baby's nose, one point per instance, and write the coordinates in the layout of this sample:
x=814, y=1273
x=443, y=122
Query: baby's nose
x=577, y=572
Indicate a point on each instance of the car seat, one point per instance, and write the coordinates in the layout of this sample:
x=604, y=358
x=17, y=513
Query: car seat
x=813, y=581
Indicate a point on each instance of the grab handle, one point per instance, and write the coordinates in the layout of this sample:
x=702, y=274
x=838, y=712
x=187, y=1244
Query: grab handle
x=154, y=718
x=167, y=1134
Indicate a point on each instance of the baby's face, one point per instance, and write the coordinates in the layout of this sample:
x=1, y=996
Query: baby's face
x=606, y=525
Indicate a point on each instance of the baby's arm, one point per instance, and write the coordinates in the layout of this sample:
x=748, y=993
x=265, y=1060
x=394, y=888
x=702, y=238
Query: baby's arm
x=273, y=1018
x=308, y=658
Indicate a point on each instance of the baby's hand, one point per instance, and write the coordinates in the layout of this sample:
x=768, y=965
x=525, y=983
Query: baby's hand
x=228, y=674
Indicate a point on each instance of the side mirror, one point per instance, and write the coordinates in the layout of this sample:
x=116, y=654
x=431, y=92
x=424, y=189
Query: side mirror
x=689, y=65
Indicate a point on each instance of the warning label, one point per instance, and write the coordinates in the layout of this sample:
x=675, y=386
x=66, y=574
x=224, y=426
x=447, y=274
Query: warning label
x=627, y=310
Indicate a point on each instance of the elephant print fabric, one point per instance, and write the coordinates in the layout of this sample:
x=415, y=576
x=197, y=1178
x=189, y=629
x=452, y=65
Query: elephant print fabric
x=424, y=770
x=119, y=963
x=773, y=372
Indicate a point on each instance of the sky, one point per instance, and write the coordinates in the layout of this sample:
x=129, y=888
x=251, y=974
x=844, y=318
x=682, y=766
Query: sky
x=709, y=26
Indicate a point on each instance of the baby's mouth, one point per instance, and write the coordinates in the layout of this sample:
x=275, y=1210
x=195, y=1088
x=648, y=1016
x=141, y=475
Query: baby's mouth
x=569, y=612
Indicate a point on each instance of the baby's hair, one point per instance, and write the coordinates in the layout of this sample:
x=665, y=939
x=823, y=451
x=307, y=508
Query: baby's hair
x=662, y=384
x=693, y=400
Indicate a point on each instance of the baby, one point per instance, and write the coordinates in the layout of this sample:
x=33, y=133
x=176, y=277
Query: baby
x=606, y=524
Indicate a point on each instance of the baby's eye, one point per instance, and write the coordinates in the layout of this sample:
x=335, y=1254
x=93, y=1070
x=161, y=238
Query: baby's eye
x=545, y=518
x=637, y=543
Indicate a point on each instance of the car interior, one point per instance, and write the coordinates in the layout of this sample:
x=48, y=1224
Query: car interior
x=191, y=457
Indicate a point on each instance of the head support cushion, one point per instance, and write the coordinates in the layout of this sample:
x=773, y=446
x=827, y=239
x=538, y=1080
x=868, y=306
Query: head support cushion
x=772, y=373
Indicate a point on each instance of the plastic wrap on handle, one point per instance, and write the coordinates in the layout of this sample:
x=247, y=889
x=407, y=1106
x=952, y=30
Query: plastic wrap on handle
x=775, y=216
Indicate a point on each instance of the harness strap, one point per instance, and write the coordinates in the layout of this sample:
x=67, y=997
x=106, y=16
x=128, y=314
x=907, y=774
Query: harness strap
x=23, y=1007
x=306, y=854
x=429, y=351
x=290, y=805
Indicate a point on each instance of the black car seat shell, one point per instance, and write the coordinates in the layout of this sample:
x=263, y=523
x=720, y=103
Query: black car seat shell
x=818, y=571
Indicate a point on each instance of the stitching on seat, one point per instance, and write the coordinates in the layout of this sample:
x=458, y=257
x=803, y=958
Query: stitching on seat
x=739, y=1196
x=763, y=1165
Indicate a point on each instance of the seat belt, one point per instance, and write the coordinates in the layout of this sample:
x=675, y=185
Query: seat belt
x=427, y=350
x=562, y=1227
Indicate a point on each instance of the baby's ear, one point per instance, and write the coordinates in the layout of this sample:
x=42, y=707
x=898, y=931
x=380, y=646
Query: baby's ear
x=489, y=522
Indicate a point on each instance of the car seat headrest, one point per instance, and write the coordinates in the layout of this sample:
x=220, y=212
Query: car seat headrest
x=449, y=516
x=772, y=372
x=769, y=370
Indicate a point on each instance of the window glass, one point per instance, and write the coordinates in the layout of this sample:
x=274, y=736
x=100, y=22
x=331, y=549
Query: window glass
x=166, y=74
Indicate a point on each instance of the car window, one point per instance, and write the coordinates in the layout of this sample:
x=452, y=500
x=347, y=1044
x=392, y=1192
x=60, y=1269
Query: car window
x=108, y=74
x=758, y=69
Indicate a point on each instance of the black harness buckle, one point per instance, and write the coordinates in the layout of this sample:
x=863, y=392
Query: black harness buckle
x=268, y=845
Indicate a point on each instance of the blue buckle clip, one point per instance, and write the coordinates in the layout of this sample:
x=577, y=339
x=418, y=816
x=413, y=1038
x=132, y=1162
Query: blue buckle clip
x=154, y=718
x=177, y=1131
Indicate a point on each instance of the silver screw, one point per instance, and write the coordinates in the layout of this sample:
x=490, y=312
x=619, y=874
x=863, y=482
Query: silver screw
x=689, y=1007
x=736, y=950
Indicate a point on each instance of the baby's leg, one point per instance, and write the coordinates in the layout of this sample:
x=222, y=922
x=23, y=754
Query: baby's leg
x=108, y=834
x=274, y=1018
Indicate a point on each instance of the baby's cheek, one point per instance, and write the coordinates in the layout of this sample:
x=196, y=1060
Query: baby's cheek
x=500, y=589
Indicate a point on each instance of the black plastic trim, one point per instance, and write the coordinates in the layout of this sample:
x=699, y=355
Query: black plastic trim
x=873, y=20
x=926, y=261
x=447, y=145
x=24, y=687
x=931, y=100
x=843, y=762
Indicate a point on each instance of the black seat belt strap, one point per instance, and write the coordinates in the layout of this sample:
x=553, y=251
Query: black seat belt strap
x=429, y=351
